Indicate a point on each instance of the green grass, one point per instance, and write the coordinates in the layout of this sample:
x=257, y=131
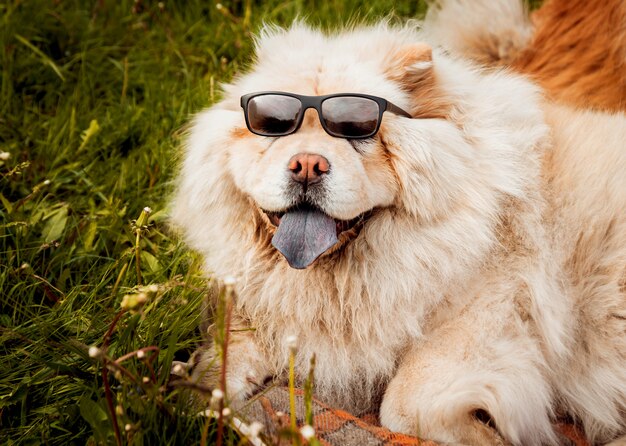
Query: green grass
x=94, y=97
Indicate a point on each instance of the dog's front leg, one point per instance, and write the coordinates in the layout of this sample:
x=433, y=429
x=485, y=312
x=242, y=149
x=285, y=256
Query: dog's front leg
x=478, y=379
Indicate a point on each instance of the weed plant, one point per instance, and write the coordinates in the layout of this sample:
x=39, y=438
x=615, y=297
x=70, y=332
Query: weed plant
x=97, y=295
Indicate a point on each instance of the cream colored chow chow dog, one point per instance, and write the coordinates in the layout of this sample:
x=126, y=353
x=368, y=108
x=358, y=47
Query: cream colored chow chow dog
x=442, y=238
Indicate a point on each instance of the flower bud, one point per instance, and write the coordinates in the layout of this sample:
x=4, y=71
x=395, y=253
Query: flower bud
x=216, y=399
x=94, y=352
x=134, y=302
x=307, y=432
x=143, y=217
x=292, y=343
x=217, y=394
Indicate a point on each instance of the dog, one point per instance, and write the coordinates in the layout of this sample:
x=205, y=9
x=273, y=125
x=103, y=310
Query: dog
x=456, y=255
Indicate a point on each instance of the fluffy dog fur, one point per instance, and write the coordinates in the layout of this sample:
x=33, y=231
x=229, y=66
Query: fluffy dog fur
x=576, y=49
x=490, y=275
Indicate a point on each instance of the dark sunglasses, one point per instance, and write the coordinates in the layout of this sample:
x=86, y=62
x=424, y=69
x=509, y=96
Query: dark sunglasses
x=343, y=115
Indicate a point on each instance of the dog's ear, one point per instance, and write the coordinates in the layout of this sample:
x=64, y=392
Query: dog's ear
x=410, y=65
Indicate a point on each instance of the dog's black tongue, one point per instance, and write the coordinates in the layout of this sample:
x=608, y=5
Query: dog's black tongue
x=303, y=235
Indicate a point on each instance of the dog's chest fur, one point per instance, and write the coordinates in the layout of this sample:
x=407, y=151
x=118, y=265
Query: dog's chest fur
x=355, y=320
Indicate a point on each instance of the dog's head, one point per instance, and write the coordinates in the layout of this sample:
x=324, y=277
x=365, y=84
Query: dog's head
x=313, y=193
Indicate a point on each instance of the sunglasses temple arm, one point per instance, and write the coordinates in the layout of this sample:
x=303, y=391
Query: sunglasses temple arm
x=397, y=110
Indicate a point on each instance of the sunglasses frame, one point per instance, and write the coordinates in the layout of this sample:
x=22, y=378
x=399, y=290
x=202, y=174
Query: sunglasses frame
x=316, y=103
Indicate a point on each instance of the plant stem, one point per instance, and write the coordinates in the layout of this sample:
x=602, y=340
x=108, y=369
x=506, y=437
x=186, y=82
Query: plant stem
x=109, y=397
x=105, y=378
x=292, y=396
x=308, y=394
x=137, y=255
x=120, y=276
x=123, y=358
x=205, y=432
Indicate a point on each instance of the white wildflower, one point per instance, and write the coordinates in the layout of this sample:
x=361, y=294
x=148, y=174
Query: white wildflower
x=217, y=394
x=292, y=343
x=141, y=354
x=5, y=156
x=230, y=281
x=307, y=432
x=94, y=352
x=133, y=301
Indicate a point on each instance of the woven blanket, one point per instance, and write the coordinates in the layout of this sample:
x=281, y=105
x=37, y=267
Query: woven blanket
x=336, y=427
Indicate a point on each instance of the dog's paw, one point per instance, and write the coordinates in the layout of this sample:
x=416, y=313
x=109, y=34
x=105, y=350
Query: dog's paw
x=450, y=425
x=179, y=370
x=245, y=374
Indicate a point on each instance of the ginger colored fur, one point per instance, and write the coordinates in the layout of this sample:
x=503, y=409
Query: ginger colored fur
x=488, y=275
x=576, y=49
x=578, y=52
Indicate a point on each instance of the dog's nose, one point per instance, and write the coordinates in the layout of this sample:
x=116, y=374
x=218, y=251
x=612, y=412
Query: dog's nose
x=308, y=168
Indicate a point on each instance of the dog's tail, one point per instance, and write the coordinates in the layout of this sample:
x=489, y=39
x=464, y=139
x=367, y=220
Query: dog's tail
x=578, y=52
x=576, y=49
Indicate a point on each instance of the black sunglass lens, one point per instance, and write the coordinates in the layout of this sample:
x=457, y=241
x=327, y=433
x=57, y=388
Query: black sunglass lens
x=350, y=117
x=273, y=114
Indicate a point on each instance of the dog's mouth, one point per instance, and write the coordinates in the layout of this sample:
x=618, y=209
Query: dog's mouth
x=304, y=232
x=340, y=225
